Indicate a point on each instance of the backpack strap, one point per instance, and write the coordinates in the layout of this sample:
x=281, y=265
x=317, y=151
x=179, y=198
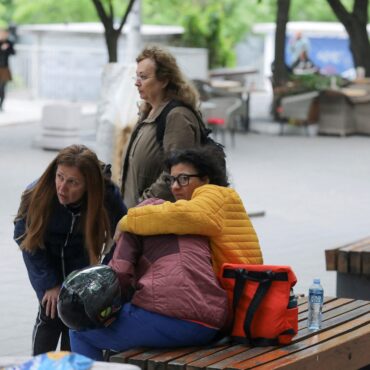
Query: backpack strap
x=264, y=278
x=161, y=127
x=261, y=291
x=254, y=275
x=162, y=120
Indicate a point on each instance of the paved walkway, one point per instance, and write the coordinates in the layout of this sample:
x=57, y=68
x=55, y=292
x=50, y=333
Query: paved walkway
x=313, y=190
x=20, y=110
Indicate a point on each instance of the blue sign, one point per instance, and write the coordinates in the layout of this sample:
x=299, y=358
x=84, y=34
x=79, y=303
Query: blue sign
x=331, y=55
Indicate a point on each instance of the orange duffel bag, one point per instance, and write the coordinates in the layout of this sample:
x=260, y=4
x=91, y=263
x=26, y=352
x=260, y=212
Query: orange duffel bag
x=264, y=306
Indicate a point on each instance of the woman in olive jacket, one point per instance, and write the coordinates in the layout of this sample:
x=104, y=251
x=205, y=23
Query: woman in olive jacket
x=160, y=83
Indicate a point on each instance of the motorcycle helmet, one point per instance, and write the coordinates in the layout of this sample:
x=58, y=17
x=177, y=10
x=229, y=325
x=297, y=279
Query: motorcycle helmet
x=89, y=298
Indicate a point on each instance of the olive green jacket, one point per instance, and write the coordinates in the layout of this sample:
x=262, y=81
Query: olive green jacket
x=143, y=177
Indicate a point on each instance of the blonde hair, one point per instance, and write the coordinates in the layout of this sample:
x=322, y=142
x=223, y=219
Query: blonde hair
x=166, y=68
x=37, y=202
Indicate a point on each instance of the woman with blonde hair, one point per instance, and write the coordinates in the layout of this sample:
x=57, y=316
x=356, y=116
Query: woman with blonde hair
x=65, y=222
x=166, y=96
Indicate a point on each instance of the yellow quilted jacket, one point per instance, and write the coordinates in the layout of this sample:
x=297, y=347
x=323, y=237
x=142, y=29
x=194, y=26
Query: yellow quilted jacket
x=214, y=211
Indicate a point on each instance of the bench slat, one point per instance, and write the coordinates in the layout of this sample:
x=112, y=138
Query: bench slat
x=259, y=351
x=303, y=334
x=329, y=320
x=160, y=362
x=355, y=246
x=337, y=260
x=351, y=261
x=343, y=261
x=123, y=356
x=181, y=362
x=355, y=262
x=365, y=264
x=344, y=328
x=302, y=300
x=141, y=359
x=328, y=306
x=331, y=313
x=328, y=302
x=337, y=312
x=247, y=354
x=350, y=307
x=331, y=258
x=335, y=352
x=203, y=358
x=211, y=359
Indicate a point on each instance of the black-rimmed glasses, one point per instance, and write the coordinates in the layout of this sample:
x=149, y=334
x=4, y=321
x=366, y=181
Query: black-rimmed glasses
x=182, y=179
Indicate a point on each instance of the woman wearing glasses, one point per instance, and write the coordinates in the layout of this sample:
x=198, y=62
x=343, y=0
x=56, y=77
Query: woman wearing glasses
x=160, y=83
x=177, y=301
x=205, y=205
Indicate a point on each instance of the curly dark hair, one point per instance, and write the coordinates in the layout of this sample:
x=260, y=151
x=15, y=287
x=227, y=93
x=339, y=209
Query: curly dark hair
x=208, y=160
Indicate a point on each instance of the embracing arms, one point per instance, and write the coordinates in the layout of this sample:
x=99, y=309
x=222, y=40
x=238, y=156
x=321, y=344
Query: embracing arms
x=202, y=215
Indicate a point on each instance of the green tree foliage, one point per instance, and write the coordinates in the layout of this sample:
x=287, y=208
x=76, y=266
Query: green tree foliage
x=60, y=11
x=6, y=12
x=112, y=14
x=316, y=10
x=212, y=27
x=212, y=24
x=51, y=11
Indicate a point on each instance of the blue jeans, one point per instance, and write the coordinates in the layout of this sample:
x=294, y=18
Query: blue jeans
x=135, y=327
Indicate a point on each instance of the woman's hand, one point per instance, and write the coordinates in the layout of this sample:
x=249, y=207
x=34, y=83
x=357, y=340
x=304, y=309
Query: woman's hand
x=49, y=301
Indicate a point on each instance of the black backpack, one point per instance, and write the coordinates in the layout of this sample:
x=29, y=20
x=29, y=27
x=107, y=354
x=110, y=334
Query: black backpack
x=205, y=138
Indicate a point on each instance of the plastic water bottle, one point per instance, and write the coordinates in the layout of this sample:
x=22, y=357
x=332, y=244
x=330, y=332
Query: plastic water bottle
x=315, y=302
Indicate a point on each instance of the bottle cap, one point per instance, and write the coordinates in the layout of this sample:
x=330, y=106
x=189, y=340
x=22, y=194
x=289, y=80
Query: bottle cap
x=316, y=281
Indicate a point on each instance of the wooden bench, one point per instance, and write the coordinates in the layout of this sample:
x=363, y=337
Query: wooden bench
x=352, y=263
x=342, y=343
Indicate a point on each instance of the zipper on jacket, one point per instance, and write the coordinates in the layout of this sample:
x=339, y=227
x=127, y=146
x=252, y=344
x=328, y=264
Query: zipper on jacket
x=74, y=218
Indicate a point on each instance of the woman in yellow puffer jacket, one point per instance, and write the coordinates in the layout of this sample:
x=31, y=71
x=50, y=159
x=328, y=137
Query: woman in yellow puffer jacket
x=205, y=205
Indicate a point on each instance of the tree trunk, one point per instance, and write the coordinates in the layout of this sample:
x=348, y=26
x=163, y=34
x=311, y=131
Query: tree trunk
x=280, y=72
x=355, y=24
x=111, y=39
x=111, y=34
x=360, y=48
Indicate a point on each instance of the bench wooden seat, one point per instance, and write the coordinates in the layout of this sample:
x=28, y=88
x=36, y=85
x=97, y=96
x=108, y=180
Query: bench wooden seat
x=342, y=343
x=351, y=258
x=352, y=263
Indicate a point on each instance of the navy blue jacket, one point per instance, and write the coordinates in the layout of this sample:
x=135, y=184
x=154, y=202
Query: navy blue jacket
x=64, y=249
